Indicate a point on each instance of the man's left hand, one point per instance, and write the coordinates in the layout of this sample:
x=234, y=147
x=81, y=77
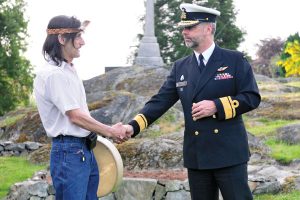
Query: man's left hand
x=203, y=109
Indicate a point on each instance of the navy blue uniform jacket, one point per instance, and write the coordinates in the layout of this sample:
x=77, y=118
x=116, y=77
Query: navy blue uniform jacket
x=219, y=140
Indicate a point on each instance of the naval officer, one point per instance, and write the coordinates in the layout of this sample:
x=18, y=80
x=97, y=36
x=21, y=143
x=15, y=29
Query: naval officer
x=215, y=86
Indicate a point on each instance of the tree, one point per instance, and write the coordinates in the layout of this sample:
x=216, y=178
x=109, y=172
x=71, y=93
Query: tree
x=290, y=39
x=15, y=70
x=285, y=55
x=292, y=63
x=267, y=50
x=167, y=16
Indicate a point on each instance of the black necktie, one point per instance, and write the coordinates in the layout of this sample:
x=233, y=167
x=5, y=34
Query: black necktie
x=201, y=63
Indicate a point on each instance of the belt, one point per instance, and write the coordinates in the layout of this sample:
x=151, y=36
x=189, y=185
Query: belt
x=68, y=138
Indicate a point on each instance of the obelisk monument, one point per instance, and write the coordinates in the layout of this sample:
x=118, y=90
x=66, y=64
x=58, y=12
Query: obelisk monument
x=148, y=53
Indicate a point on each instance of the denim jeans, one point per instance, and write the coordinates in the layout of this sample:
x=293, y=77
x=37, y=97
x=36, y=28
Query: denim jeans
x=73, y=169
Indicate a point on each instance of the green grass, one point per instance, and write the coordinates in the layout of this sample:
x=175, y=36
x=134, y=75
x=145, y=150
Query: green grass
x=266, y=127
x=13, y=170
x=295, y=195
x=282, y=152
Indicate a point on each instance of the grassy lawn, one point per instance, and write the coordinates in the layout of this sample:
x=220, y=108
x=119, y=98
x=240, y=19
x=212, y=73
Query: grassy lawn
x=282, y=152
x=295, y=195
x=266, y=128
x=13, y=170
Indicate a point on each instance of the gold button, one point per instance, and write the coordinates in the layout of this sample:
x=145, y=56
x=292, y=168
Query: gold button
x=216, y=131
x=214, y=116
x=196, y=133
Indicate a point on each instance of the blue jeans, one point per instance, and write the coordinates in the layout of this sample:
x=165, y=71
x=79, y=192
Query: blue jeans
x=73, y=169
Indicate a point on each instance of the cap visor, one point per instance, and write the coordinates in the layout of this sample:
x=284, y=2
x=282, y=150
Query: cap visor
x=188, y=23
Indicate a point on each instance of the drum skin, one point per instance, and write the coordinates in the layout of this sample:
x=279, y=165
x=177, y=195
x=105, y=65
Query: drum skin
x=110, y=166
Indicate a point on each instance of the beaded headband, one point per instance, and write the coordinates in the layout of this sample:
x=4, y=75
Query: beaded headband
x=53, y=31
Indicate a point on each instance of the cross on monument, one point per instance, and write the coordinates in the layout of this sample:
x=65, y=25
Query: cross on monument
x=149, y=53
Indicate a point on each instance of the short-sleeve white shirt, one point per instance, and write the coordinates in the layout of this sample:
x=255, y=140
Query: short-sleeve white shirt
x=57, y=90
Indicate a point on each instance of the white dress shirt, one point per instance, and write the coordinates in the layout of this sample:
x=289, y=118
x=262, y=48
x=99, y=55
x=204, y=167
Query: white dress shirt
x=206, y=54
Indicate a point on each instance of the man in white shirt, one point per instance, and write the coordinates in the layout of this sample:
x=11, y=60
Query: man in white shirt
x=62, y=106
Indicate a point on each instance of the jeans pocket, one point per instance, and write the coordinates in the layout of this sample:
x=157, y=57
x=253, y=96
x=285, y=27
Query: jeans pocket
x=74, y=154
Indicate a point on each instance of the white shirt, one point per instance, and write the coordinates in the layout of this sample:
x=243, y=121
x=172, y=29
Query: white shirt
x=58, y=90
x=206, y=54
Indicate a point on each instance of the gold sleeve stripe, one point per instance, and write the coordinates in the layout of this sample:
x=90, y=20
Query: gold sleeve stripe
x=141, y=120
x=234, y=104
x=145, y=120
x=227, y=107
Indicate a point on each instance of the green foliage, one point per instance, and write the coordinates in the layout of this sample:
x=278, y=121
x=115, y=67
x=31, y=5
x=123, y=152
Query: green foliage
x=283, y=153
x=8, y=121
x=285, y=55
x=291, y=38
x=167, y=16
x=228, y=35
x=295, y=195
x=15, y=70
x=292, y=63
x=15, y=169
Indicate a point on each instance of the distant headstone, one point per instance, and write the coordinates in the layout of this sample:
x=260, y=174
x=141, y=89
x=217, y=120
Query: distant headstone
x=149, y=53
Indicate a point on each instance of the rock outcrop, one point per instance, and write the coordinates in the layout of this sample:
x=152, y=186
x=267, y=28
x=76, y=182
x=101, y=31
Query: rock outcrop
x=119, y=94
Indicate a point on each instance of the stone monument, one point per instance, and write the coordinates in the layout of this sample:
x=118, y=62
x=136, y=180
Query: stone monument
x=149, y=53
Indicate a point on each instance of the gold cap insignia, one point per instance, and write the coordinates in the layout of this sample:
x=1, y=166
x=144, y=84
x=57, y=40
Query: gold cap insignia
x=183, y=14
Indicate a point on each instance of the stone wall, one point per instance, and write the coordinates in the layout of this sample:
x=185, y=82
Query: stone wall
x=8, y=148
x=40, y=187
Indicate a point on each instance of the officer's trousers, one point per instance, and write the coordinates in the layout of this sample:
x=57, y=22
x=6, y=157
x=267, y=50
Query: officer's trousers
x=232, y=182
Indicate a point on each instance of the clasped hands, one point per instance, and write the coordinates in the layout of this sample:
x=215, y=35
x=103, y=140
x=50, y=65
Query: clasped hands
x=121, y=133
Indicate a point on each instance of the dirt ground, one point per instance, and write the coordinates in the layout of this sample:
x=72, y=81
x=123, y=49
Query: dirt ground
x=179, y=174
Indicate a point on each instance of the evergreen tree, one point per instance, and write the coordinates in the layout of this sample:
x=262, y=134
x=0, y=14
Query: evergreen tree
x=167, y=16
x=15, y=70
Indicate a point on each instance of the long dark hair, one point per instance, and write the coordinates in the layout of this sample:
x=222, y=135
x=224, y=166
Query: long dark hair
x=52, y=47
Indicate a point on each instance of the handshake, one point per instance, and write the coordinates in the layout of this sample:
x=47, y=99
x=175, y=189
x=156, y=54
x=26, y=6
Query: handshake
x=121, y=133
